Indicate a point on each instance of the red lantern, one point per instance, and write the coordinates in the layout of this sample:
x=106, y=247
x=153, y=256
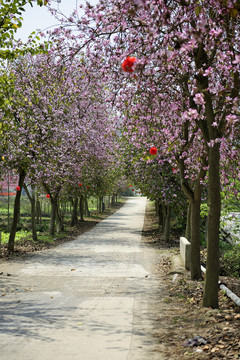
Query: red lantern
x=128, y=64
x=48, y=196
x=153, y=150
x=18, y=188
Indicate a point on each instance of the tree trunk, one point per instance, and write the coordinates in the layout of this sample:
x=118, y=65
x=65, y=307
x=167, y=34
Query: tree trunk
x=195, y=265
x=160, y=217
x=53, y=216
x=74, y=211
x=113, y=200
x=32, y=200
x=59, y=217
x=86, y=206
x=167, y=223
x=81, y=203
x=194, y=198
x=188, y=224
x=38, y=213
x=210, y=296
x=101, y=209
x=99, y=204
x=16, y=213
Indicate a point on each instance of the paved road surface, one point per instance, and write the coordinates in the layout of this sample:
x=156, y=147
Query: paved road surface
x=89, y=299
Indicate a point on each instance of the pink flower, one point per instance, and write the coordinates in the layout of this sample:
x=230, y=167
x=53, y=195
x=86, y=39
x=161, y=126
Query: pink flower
x=198, y=99
x=237, y=59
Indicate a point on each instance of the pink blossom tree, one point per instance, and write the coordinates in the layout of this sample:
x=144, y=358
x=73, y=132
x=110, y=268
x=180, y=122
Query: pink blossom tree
x=56, y=126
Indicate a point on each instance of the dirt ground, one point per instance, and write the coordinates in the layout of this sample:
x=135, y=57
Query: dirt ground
x=193, y=332
x=188, y=331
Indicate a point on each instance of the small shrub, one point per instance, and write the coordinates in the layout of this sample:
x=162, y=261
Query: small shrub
x=224, y=246
x=230, y=262
x=19, y=235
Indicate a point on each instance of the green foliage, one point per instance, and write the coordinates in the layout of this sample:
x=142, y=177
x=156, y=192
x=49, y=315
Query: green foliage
x=10, y=21
x=179, y=221
x=224, y=246
x=46, y=238
x=230, y=202
x=230, y=262
x=19, y=235
x=204, y=210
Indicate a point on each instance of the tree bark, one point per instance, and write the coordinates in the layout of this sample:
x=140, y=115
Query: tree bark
x=86, y=206
x=210, y=134
x=74, y=211
x=16, y=213
x=81, y=203
x=210, y=296
x=167, y=223
x=194, y=198
x=195, y=265
x=38, y=213
x=100, y=201
x=32, y=200
x=53, y=215
x=59, y=217
x=113, y=200
x=188, y=223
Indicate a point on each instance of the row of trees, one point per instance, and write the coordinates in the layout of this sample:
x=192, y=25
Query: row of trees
x=57, y=133
x=181, y=95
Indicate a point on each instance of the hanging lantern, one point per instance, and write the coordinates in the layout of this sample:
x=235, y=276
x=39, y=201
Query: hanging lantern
x=128, y=64
x=153, y=150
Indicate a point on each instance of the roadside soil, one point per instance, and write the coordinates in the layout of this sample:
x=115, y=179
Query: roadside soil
x=191, y=331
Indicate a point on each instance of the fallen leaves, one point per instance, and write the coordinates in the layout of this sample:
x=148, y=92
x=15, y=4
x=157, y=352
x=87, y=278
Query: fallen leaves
x=219, y=327
x=182, y=317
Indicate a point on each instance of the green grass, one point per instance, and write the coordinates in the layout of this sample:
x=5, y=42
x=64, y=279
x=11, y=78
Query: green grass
x=27, y=235
x=19, y=235
x=42, y=230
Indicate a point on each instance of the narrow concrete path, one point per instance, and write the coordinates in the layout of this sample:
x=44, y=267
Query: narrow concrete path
x=91, y=299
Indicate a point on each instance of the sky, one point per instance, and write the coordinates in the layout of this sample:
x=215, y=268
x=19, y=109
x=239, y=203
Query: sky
x=37, y=17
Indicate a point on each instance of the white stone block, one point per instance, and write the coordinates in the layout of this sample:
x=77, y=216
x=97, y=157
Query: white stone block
x=185, y=252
